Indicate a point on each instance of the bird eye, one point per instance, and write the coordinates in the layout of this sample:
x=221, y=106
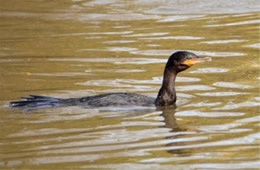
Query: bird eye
x=188, y=57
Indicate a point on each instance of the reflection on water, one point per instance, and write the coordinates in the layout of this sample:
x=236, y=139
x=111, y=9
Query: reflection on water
x=202, y=53
x=232, y=85
x=210, y=70
x=236, y=23
x=223, y=41
x=82, y=48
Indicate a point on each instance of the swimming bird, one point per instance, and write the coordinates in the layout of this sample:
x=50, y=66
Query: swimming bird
x=177, y=62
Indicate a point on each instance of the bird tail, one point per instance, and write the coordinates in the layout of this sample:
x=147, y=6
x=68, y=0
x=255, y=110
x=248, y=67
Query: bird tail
x=36, y=102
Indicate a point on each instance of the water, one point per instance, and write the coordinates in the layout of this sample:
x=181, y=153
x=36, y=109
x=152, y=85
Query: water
x=79, y=48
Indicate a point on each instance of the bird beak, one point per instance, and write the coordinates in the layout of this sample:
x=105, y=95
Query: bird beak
x=195, y=60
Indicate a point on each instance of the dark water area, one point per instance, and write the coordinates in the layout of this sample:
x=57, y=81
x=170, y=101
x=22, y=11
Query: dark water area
x=80, y=48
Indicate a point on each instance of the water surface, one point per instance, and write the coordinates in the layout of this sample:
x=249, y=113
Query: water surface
x=80, y=48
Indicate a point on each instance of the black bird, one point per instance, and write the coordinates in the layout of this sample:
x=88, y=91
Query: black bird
x=177, y=62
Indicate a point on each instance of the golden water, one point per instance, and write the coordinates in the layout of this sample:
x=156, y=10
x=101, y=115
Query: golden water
x=80, y=48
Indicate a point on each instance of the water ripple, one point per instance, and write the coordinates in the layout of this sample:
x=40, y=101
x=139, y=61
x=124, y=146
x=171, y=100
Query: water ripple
x=222, y=41
x=220, y=94
x=219, y=54
x=112, y=60
x=194, y=88
x=180, y=18
x=146, y=34
x=210, y=70
x=232, y=105
x=250, y=139
x=196, y=113
x=202, y=53
x=253, y=45
x=92, y=33
x=119, y=42
x=173, y=38
x=203, y=104
x=232, y=85
x=235, y=23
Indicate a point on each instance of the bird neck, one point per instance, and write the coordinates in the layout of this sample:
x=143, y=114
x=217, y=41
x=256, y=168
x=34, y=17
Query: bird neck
x=167, y=94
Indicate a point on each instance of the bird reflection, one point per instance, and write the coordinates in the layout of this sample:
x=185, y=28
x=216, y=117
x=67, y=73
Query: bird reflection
x=170, y=122
x=169, y=118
